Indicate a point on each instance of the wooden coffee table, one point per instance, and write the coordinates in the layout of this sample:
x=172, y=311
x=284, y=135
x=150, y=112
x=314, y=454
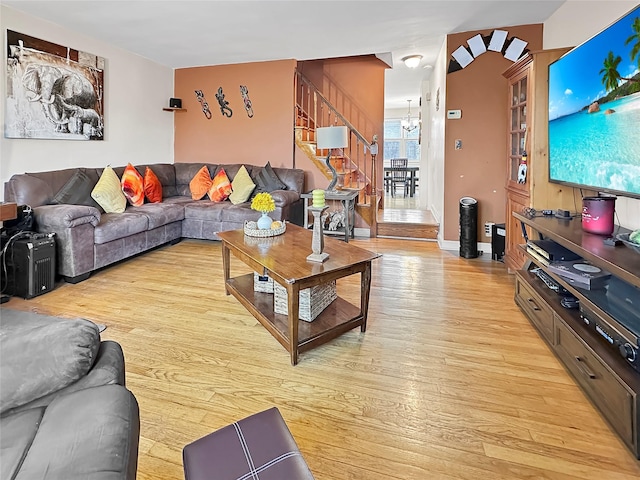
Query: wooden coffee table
x=284, y=258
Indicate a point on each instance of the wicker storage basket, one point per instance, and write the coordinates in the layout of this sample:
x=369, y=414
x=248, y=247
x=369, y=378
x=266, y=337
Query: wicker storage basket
x=262, y=283
x=312, y=300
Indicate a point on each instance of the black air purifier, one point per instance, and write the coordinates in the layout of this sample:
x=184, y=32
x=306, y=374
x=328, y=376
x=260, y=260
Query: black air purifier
x=468, y=227
x=31, y=265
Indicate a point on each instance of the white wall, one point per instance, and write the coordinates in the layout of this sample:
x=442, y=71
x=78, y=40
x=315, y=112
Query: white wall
x=136, y=128
x=433, y=188
x=573, y=23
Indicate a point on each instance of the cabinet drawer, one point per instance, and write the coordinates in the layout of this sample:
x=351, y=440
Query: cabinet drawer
x=534, y=307
x=607, y=393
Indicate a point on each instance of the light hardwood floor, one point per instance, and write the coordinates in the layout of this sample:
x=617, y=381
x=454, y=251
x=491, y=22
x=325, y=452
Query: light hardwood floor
x=450, y=381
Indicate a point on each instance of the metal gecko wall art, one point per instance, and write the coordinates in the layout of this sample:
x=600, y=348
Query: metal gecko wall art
x=224, y=105
x=244, y=91
x=204, y=104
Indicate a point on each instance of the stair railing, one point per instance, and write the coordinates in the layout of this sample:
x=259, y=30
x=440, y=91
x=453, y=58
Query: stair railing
x=314, y=110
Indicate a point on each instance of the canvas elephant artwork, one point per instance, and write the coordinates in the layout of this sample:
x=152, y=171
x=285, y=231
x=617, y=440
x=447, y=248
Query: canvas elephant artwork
x=53, y=92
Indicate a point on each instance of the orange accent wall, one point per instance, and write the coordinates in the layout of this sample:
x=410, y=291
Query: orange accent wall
x=267, y=136
x=478, y=170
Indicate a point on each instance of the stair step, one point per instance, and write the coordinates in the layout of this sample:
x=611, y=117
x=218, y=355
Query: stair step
x=408, y=230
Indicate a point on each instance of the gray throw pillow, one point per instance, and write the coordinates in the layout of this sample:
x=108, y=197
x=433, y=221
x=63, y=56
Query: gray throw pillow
x=77, y=191
x=267, y=180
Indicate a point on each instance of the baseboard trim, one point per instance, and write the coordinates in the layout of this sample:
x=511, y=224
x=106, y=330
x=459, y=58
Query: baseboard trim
x=452, y=245
x=362, y=232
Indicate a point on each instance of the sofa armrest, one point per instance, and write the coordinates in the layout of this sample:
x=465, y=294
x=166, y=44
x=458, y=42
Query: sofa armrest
x=283, y=198
x=108, y=369
x=35, y=362
x=74, y=228
x=56, y=217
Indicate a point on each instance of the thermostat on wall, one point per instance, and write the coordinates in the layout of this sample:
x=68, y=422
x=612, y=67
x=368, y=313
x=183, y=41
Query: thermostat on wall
x=454, y=114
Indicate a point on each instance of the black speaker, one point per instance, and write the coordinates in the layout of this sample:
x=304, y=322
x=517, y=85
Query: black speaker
x=31, y=265
x=468, y=227
x=175, y=103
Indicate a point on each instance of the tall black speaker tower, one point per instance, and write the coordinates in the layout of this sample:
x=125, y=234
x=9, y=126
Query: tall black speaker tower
x=468, y=227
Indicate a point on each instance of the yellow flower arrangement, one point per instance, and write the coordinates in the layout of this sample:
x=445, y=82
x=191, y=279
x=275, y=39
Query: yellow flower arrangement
x=263, y=202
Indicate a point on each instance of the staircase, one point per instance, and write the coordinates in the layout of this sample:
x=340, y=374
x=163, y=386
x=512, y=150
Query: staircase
x=354, y=164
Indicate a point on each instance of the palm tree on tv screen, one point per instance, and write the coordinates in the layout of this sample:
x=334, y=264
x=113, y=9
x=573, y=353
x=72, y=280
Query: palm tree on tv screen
x=635, y=50
x=610, y=76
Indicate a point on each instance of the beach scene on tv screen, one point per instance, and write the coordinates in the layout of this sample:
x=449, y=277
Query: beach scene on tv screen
x=594, y=110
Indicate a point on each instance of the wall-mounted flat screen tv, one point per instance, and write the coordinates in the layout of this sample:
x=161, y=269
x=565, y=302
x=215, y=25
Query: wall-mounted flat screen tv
x=594, y=111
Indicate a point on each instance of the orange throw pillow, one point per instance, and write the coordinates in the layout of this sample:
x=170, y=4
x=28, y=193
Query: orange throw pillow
x=152, y=186
x=132, y=185
x=221, y=187
x=200, y=183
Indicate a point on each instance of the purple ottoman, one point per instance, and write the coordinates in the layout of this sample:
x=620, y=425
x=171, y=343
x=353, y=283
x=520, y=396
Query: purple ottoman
x=257, y=447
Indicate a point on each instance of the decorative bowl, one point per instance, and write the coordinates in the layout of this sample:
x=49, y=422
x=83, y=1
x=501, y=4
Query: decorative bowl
x=624, y=238
x=252, y=230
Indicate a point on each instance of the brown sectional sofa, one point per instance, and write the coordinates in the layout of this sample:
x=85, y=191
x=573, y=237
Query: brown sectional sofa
x=87, y=239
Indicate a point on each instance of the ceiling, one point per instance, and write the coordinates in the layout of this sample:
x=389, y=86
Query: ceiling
x=189, y=33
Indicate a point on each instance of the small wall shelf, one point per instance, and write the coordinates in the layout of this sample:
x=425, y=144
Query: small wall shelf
x=173, y=109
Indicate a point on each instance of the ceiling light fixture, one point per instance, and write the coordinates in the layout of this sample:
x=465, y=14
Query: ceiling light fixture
x=410, y=124
x=412, y=61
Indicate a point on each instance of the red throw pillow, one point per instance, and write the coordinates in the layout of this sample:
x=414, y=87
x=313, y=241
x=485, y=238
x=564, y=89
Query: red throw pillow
x=221, y=187
x=152, y=186
x=132, y=185
x=200, y=183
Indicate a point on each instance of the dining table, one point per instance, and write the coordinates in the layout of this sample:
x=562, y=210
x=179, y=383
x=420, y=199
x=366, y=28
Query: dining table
x=412, y=176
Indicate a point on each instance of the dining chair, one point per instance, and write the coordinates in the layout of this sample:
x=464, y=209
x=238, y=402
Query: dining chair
x=399, y=175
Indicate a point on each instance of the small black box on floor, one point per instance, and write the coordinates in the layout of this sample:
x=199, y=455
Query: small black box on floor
x=30, y=262
x=498, y=235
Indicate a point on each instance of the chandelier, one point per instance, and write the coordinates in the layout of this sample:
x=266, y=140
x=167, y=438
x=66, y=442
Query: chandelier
x=410, y=124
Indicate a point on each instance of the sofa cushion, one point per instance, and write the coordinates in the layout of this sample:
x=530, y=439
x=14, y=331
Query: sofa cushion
x=108, y=192
x=89, y=434
x=159, y=214
x=114, y=226
x=238, y=213
x=178, y=199
x=185, y=173
x=205, y=210
x=200, y=183
x=26, y=189
x=18, y=432
x=220, y=187
x=132, y=185
x=292, y=177
x=39, y=359
x=77, y=191
x=242, y=186
x=166, y=173
x=152, y=186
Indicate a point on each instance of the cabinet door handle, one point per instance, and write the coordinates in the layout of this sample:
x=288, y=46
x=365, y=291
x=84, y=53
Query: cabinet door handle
x=582, y=366
x=532, y=302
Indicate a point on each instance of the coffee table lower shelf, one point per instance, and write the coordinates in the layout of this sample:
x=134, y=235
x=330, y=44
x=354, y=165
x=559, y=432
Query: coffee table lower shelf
x=339, y=317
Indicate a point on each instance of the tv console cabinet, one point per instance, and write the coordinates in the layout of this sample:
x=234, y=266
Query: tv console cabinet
x=606, y=378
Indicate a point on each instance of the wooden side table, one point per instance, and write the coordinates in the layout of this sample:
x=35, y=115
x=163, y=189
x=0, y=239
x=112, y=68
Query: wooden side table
x=348, y=200
x=8, y=211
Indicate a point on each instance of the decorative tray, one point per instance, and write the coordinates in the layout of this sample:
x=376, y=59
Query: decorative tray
x=251, y=229
x=624, y=238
